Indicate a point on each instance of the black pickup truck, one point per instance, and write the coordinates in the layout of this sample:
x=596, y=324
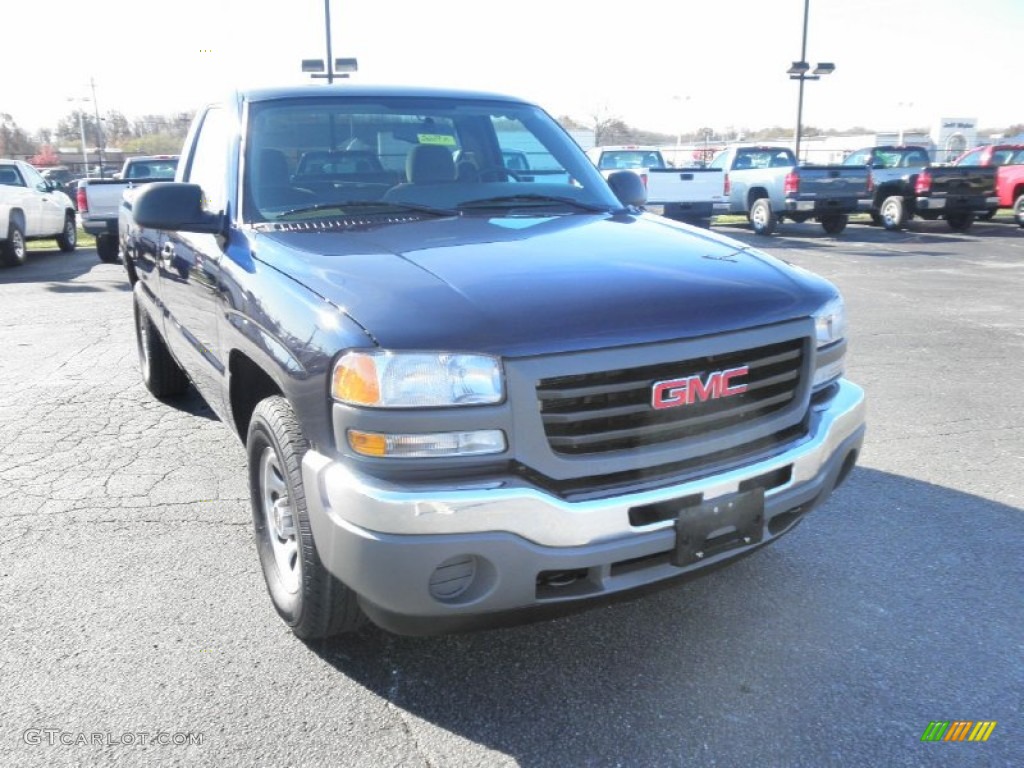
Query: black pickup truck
x=470, y=395
x=905, y=184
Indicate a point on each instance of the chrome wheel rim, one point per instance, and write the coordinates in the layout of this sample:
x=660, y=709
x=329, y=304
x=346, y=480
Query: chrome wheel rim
x=279, y=520
x=758, y=216
x=18, y=244
x=889, y=214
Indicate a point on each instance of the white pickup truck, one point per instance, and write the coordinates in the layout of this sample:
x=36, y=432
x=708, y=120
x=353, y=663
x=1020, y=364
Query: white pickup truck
x=692, y=195
x=99, y=200
x=31, y=208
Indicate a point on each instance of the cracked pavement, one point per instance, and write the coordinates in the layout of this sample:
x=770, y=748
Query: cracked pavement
x=131, y=599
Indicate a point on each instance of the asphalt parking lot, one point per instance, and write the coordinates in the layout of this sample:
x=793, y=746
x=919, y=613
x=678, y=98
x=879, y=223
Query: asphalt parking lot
x=131, y=601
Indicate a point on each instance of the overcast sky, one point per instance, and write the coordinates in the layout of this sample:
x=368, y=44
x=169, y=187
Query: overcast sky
x=669, y=65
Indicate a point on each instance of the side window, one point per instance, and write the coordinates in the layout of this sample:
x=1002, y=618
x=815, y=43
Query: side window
x=10, y=177
x=208, y=166
x=860, y=157
x=33, y=179
x=522, y=150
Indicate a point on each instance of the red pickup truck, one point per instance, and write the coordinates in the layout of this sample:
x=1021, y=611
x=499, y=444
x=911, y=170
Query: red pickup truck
x=1009, y=162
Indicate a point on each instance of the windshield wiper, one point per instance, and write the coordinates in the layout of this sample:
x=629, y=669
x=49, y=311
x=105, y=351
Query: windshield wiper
x=344, y=205
x=530, y=198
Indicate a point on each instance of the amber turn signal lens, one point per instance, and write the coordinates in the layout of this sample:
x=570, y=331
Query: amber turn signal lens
x=355, y=380
x=367, y=443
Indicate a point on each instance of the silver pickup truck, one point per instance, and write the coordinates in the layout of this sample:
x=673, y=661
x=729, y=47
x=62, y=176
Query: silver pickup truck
x=767, y=184
x=99, y=200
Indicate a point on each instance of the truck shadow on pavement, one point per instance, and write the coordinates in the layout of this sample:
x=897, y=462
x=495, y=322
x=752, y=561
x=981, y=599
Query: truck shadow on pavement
x=804, y=646
x=192, y=403
x=48, y=265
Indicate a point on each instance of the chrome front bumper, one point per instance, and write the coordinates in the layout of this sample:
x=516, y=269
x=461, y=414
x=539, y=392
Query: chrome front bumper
x=389, y=542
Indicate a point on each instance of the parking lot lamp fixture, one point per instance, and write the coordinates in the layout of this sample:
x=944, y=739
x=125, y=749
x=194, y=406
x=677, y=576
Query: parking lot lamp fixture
x=799, y=71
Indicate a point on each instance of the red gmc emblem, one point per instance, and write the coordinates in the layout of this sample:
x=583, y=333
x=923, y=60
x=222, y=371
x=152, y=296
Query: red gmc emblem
x=692, y=389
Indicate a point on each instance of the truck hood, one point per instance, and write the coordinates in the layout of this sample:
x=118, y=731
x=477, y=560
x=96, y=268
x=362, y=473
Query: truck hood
x=516, y=285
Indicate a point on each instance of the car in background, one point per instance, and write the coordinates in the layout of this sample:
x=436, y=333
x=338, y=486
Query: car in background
x=32, y=208
x=903, y=183
x=768, y=184
x=692, y=195
x=100, y=200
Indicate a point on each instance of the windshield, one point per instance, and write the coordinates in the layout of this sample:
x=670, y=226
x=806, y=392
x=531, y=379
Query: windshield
x=321, y=157
x=152, y=169
x=900, y=158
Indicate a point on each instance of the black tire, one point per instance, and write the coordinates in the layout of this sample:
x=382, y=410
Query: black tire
x=959, y=222
x=106, y=248
x=68, y=238
x=309, y=599
x=893, y=213
x=762, y=217
x=834, y=223
x=1018, y=210
x=13, y=252
x=161, y=374
x=987, y=215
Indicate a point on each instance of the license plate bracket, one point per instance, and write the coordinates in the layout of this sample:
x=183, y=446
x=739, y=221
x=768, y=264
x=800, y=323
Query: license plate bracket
x=737, y=520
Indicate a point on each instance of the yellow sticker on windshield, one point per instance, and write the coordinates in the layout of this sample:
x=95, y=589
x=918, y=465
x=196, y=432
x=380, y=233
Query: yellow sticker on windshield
x=436, y=138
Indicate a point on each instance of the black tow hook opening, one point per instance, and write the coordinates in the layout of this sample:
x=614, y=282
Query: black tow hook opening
x=560, y=578
x=574, y=582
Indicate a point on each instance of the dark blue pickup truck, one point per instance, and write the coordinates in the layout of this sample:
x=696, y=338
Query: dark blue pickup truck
x=471, y=395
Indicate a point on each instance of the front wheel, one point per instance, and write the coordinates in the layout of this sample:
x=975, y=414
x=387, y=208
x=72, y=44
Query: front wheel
x=834, y=223
x=13, y=251
x=1018, y=210
x=959, y=222
x=762, y=217
x=309, y=599
x=68, y=237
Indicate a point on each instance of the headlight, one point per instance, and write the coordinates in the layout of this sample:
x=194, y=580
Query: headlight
x=830, y=322
x=382, y=379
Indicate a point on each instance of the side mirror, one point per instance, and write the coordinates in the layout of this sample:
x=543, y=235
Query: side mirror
x=176, y=206
x=628, y=187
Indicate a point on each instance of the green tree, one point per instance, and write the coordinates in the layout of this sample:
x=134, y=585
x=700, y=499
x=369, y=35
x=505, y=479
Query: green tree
x=13, y=139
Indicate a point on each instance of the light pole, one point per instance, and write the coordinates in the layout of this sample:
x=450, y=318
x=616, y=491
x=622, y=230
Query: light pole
x=81, y=130
x=340, y=68
x=798, y=71
x=99, y=128
x=683, y=104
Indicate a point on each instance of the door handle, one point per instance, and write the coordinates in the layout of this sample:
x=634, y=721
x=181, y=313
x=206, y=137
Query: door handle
x=167, y=253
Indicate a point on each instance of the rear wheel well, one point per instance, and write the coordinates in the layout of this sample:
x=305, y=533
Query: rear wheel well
x=1018, y=191
x=756, y=193
x=250, y=384
x=887, y=190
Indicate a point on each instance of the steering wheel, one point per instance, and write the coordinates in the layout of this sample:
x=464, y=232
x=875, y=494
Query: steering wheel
x=498, y=171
